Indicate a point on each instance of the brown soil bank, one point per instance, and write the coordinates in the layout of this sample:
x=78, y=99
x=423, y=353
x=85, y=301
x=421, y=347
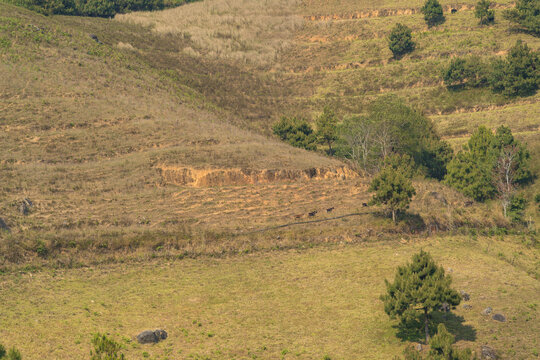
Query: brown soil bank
x=393, y=12
x=221, y=177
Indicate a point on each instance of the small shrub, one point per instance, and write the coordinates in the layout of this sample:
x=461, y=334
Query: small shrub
x=484, y=13
x=2, y=351
x=105, y=348
x=400, y=40
x=433, y=13
x=517, y=208
x=41, y=249
x=13, y=354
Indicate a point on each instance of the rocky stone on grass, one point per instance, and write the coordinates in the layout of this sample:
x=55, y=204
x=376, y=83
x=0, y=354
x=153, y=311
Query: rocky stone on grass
x=467, y=306
x=418, y=347
x=151, y=336
x=3, y=225
x=488, y=353
x=499, y=317
x=465, y=296
x=487, y=311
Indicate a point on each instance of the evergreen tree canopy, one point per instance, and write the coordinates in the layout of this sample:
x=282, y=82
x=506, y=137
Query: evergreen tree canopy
x=471, y=171
x=484, y=13
x=392, y=185
x=433, y=12
x=420, y=286
x=526, y=14
x=296, y=132
x=519, y=74
x=327, y=128
x=98, y=8
x=400, y=40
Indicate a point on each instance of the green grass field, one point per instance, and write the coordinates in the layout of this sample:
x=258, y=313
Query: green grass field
x=291, y=305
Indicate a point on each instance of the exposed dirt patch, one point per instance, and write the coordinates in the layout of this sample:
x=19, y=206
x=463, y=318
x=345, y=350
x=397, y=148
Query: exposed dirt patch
x=392, y=12
x=222, y=177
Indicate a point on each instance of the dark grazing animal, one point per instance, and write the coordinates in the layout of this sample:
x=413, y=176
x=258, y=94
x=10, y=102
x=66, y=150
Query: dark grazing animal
x=329, y=209
x=453, y=11
x=364, y=205
x=95, y=38
x=311, y=214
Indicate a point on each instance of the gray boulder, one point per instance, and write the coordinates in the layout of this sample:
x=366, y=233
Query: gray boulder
x=465, y=296
x=488, y=353
x=467, y=306
x=487, y=311
x=151, y=336
x=499, y=317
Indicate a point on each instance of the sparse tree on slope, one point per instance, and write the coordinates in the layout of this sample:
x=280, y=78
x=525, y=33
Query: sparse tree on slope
x=433, y=13
x=419, y=286
x=400, y=40
x=484, y=13
x=327, y=128
x=393, y=186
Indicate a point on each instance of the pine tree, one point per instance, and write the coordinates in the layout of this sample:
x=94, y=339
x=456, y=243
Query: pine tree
x=400, y=40
x=433, y=13
x=393, y=187
x=327, y=128
x=484, y=13
x=519, y=74
x=419, y=286
x=526, y=14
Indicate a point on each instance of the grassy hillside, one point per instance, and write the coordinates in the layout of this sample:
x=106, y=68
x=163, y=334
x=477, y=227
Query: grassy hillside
x=86, y=128
x=159, y=198
x=277, y=305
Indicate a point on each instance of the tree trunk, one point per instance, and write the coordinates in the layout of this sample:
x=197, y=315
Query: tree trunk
x=394, y=216
x=426, y=325
x=330, y=147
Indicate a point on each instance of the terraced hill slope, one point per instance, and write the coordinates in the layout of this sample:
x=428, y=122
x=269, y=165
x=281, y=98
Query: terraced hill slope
x=108, y=137
x=87, y=127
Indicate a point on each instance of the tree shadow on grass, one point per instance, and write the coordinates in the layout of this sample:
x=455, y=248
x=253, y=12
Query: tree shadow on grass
x=413, y=329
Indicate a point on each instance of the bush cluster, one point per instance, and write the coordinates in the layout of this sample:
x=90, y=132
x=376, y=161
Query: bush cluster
x=95, y=8
x=517, y=75
x=296, y=131
x=526, y=14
